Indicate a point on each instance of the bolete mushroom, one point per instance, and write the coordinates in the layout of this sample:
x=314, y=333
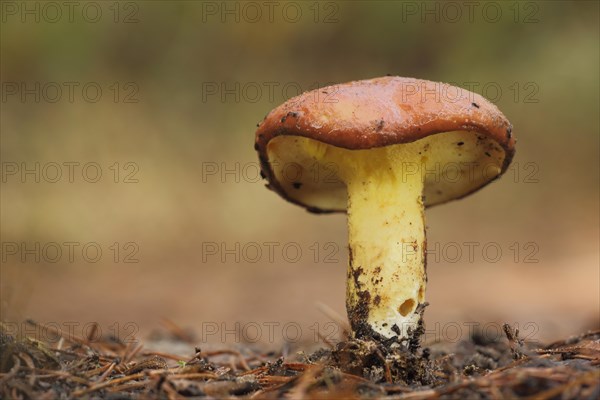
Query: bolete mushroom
x=383, y=150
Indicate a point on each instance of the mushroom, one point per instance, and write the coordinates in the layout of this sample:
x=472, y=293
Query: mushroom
x=383, y=150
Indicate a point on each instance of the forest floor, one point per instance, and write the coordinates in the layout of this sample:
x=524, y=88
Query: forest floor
x=171, y=367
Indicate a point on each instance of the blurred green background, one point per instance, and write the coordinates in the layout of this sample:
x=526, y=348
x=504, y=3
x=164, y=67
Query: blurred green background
x=179, y=95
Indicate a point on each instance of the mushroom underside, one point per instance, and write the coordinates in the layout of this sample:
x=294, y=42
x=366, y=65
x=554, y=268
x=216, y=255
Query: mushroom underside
x=452, y=164
x=384, y=191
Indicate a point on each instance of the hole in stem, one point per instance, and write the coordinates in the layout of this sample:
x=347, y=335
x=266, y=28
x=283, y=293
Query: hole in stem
x=406, y=307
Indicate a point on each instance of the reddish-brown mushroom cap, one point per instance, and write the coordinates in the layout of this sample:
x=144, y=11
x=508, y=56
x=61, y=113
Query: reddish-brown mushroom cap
x=381, y=112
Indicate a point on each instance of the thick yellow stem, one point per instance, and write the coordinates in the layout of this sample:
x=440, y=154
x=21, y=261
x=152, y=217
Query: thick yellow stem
x=386, y=274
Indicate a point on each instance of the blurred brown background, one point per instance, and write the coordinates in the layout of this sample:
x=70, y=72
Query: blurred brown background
x=183, y=85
